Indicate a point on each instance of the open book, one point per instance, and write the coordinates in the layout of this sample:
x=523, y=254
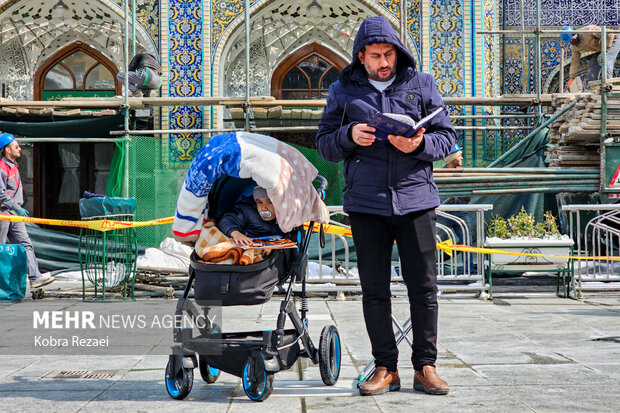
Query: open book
x=396, y=124
x=271, y=242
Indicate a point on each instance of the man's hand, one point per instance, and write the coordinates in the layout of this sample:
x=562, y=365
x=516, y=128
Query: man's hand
x=240, y=239
x=363, y=134
x=22, y=212
x=570, y=81
x=407, y=145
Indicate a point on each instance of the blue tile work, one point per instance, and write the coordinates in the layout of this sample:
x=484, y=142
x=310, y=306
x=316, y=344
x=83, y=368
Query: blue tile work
x=447, y=55
x=392, y=6
x=147, y=13
x=413, y=21
x=489, y=54
x=564, y=12
x=222, y=15
x=185, y=78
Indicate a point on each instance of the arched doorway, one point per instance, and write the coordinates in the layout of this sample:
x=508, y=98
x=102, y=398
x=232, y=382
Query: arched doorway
x=307, y=73
x=64, y=170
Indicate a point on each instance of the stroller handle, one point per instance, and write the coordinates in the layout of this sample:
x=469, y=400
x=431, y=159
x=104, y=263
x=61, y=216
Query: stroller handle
x=322, y=185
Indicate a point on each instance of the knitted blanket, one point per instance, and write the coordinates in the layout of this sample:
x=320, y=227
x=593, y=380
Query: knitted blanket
x=279, y=168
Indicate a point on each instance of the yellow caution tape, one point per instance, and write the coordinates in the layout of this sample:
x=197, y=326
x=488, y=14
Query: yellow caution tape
x=107, y=225
x=447, y=246
x=331, y=229
x=95, y=224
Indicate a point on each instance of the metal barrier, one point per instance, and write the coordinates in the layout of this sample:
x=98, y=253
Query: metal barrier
x=600, y=237
x=461, y=272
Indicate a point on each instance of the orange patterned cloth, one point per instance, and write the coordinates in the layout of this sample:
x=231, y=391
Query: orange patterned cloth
x=216, y=248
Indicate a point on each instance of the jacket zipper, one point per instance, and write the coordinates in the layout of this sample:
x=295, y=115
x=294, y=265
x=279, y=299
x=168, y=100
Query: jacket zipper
x=385, y=106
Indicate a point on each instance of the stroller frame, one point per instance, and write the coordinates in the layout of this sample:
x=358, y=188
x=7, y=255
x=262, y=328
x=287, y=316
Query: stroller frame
x=267, y=350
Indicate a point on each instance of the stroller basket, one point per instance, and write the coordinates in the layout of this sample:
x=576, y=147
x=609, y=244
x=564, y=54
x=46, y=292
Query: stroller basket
x=227, y=285
x=232, y=358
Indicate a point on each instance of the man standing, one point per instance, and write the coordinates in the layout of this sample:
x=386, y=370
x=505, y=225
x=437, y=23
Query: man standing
x=590, y=43
x=144, y=74
x=389, y=193
x=11, y=200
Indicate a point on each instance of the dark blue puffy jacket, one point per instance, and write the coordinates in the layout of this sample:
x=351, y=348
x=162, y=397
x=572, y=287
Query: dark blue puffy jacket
x=379, y=179
x=245, y=218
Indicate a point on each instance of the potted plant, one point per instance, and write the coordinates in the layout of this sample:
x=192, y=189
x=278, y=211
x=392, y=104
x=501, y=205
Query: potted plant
x=521, y=233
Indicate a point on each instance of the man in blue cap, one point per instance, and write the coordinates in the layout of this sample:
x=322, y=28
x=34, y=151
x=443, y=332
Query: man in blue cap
x=389, y=193
x=589, y=44
x=11, y=201
x=455, y=159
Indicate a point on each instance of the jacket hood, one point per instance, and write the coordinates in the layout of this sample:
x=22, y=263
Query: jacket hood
x=377, y=29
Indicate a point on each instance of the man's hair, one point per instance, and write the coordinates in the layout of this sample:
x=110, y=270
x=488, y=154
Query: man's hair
x=576, y=40
x=363, y=49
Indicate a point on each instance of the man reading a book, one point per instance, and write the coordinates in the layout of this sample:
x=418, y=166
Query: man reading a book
x=389, y=193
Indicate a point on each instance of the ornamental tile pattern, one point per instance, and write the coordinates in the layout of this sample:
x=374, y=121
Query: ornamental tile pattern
x=413, y=21
x=393, y=7
x=185, y=77
x=489, y=58
x=447, y=46
x=223, y=14
x=564, y=12
x=147, y=13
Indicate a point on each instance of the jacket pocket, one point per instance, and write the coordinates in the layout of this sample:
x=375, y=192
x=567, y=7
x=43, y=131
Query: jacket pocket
x=350, y=168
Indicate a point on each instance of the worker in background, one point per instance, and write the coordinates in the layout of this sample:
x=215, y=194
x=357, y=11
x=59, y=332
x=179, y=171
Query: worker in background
x=144, y=75
x=590, y=43
x=455, y=158
x=11, y=201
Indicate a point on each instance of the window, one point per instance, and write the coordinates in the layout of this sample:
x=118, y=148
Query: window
x=76, y=71
x=307, y=73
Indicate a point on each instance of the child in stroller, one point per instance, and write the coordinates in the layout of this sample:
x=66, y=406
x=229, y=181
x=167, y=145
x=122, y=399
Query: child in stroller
x=254, y=356
x=246, y=220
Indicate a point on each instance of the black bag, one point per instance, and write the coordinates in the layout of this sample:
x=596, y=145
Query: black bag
x=226, y=285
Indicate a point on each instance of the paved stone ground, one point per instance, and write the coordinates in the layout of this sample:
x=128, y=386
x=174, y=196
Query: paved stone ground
x=523, y=352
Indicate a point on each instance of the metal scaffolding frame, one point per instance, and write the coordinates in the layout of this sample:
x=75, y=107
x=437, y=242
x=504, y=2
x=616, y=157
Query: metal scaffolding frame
x=538, y=101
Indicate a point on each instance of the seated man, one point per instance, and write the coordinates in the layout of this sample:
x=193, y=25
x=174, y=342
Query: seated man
x=246, y=221
x=144, y=74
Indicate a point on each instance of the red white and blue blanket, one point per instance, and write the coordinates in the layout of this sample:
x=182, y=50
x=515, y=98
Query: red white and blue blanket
x=279, y=168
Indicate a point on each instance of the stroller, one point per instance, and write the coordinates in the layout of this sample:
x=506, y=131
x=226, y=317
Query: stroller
x=254, y=356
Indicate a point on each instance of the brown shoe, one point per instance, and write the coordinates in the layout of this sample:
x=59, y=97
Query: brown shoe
x=381, y=381
x=429, y=381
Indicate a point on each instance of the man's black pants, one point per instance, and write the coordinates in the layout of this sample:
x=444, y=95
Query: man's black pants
x=374, y=237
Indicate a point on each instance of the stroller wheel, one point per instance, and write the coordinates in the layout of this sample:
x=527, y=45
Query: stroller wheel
x=209, y=374
x=180, y=387
x=258, y=388
x=329, y=355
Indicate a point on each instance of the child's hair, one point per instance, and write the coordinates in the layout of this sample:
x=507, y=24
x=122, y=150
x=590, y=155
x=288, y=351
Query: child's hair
x=259, y=192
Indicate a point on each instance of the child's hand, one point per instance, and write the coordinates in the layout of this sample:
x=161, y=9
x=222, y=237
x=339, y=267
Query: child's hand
x=240, y=239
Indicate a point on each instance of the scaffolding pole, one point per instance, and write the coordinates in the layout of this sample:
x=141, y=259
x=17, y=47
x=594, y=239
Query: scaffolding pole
x=127, y=139
x=247, y=65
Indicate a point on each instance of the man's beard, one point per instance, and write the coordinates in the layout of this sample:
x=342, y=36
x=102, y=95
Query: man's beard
x=375, y=75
